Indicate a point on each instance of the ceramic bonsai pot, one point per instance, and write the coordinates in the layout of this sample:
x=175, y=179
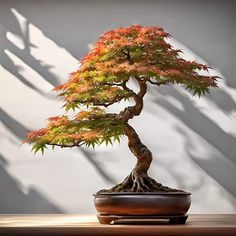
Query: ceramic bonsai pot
x=172, y=206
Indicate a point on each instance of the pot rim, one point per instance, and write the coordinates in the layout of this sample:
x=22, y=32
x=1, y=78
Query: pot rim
x=142, y=193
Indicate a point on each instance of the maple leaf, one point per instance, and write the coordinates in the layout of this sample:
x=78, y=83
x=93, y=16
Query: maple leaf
x=90, y=135
x=75, y=136
x=59, y=87
x=81, y=115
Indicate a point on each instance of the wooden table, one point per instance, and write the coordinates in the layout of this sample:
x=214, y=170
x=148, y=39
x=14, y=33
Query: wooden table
x=211, y=225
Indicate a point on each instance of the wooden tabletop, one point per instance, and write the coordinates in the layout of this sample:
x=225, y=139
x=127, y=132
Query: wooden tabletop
x=65, y=224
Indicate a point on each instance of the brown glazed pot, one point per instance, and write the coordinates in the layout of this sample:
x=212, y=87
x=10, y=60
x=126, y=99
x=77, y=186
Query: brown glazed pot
x=150, y=203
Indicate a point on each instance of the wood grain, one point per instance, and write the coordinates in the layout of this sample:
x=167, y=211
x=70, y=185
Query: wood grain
x=211, y=225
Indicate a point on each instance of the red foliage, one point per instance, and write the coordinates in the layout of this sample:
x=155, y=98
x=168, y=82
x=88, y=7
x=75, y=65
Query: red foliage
x=36, y=133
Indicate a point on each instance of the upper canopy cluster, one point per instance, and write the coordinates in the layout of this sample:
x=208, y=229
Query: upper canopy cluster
x=124, y=53
x=119, y=55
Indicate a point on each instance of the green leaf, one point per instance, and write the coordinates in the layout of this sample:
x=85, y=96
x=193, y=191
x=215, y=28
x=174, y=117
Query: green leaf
x=108, y=140
x=38, y=146
x=117, y=138
x=69, y=106
x=42, y=149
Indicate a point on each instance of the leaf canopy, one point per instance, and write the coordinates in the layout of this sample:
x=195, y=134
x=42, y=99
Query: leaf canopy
x=119, y=55
x=124, y=53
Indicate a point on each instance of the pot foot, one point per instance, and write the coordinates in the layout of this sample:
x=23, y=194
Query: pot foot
x=142, y=219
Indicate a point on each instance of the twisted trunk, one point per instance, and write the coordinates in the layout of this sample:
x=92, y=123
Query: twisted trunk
x=131, y=111
x=141, y=152
x=138, y=180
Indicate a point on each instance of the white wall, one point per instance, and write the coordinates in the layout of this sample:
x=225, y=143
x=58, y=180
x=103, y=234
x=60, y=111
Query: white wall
x=193, y=140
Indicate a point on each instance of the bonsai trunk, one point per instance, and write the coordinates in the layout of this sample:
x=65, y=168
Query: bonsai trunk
x=138, y=180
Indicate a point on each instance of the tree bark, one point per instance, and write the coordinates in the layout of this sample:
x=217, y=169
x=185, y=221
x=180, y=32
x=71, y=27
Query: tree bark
x=142, y=153
x=138, y=179
x=131, y=111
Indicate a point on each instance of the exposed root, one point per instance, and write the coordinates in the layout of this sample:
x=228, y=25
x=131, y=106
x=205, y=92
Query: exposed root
x=139, y=183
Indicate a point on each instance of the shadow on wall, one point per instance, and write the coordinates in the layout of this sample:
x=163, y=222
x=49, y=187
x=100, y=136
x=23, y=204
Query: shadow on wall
x=14, y=201
x=20, y=132
x=9, y=23
x=76, y=45
x=13, y=125
x=224, y=144
x=214, y=165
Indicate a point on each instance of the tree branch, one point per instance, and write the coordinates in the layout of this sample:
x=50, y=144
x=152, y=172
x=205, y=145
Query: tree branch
x=124, y=86
x=113, y=84
x=157, y=83
x=131, y=111
x=127, y=53
x=65, y=145
x=105, y=104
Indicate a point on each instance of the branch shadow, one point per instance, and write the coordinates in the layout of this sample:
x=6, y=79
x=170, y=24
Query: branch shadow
x=179, y=179
x=197, y=122
x=98, y=166
x=222, y=100
x=216, y=165
x=13, y=125
x=9, y=23
x=15, y=201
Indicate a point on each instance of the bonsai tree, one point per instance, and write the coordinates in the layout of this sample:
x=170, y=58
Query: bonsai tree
x=132, y=53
